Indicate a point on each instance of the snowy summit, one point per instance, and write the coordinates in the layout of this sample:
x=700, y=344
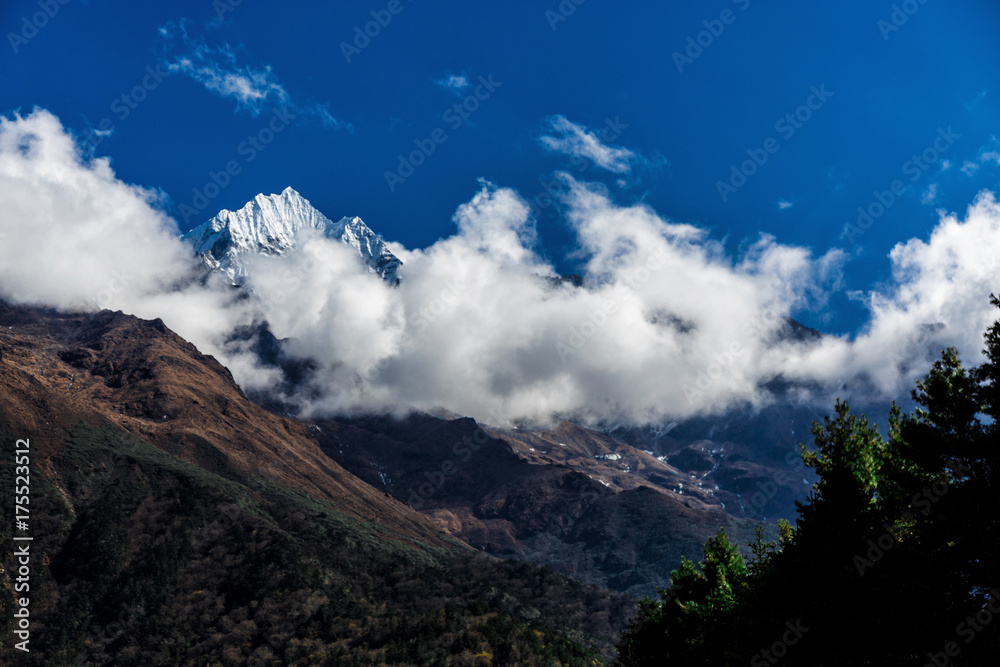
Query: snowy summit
x=268, y=224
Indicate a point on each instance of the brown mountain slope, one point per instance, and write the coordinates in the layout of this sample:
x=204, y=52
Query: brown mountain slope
x=141, y=376
x=616, y=464
x=175, y=523
x=572, y=498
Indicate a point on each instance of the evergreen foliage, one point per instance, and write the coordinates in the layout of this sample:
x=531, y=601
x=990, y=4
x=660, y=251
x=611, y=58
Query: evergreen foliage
x=895, y=559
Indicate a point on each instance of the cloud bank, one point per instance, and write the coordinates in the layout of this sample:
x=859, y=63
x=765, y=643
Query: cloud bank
x=665, y=325
x=73, y=236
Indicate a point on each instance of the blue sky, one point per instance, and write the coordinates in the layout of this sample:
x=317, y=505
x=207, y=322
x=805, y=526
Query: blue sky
x=891, y=89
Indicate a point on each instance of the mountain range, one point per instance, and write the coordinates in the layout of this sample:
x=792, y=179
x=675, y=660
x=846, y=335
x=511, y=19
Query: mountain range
x=177, y=523
x=165, y=495
x=543, y=495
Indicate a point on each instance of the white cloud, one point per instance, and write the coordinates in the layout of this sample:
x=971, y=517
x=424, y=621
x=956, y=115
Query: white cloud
x=784, y=204
x=666, y=325
x=327, y=119
x=576, y=140
x=76, y=237
x=992, y=155
x=480, y=325
x=338, y=313
x=930, y=194
x=454, y=82
x=939, y=297
x=72, y=228
x=219, y=70
x=975, y=101
x=988, y=155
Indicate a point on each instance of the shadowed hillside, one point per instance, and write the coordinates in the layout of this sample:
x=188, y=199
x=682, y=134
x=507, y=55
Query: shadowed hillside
x=177, y=523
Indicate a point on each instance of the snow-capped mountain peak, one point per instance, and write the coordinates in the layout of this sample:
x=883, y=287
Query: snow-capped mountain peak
x=268, y=225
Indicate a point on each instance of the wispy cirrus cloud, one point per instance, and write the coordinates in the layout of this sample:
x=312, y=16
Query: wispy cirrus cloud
x=988, y=155
x=975, y=101
x=322, y=112
x=930, y=194
x=220, y=70
x=969, y=168
x=577, y=141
